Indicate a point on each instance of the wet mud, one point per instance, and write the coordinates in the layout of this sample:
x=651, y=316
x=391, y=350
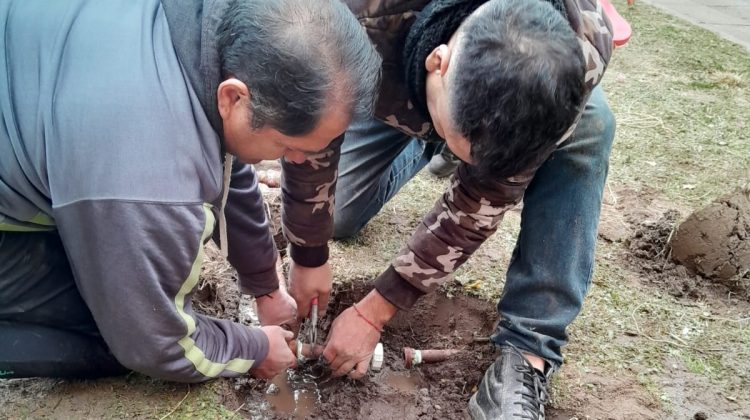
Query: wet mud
x=439, y=390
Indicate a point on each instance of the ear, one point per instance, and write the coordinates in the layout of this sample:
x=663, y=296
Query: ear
x=232, y=95
x=438, y=59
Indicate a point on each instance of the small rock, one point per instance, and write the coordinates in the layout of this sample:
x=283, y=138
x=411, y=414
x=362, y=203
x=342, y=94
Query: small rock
x=700, y=416
x=272, y=389
x=424, y=391
x=437, y=407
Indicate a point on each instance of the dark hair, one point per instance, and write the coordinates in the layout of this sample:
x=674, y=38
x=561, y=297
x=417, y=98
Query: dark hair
x=296, y=57
x=518, y=84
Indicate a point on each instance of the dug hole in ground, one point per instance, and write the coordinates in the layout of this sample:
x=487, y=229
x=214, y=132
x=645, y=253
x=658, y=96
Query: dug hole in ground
x=438, y=390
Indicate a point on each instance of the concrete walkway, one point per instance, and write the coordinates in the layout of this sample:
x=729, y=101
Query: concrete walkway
x=729, y=19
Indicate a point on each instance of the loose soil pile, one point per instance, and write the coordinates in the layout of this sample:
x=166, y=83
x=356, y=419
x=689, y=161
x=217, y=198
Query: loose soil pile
x=649, y=247
x=715, y=241
x=708, y=253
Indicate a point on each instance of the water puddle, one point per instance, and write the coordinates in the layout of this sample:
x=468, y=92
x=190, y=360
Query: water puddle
x=404, y=381
x=296, y=394
x=293, y=394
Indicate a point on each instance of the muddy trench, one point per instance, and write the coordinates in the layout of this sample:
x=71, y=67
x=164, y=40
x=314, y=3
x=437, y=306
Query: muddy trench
x=439, y=390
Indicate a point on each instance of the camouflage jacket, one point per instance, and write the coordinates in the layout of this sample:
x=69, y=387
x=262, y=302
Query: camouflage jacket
x=469, y=211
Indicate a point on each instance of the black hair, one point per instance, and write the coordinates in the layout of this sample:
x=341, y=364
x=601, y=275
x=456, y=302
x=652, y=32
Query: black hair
x=517, y=85
x=296, y=56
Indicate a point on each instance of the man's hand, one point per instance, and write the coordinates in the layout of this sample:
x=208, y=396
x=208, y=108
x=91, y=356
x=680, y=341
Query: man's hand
x=279, y=357
x=306, y=283
x=277, y=308
x=351, y=340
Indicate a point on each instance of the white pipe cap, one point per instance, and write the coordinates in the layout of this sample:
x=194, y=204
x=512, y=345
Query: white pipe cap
x=377, y=358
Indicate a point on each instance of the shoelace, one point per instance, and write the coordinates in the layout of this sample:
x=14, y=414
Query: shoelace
x=535, y=384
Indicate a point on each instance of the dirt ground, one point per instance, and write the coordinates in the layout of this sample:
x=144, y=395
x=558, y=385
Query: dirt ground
x=448, y=319
x=427, y=391
x=452, y=319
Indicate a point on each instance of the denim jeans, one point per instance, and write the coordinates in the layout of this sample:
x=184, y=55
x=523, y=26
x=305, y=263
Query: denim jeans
x=552, y=264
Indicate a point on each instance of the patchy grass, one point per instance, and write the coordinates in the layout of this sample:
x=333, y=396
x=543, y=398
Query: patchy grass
x=626, y=327
x=682, y=99
x=132, y=396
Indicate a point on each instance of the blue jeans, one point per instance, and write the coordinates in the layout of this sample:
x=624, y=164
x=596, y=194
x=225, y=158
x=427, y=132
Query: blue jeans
x=552, y=264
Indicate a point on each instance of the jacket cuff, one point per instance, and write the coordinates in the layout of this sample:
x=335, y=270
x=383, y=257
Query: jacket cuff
x=262, y=340
x=309, y=256
x=396, y=290
x=259, y=284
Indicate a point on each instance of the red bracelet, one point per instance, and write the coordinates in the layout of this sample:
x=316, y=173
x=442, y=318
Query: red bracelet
x=366, y=320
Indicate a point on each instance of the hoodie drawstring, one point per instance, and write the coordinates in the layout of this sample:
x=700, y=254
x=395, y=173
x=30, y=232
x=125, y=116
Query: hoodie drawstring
x=224, y=245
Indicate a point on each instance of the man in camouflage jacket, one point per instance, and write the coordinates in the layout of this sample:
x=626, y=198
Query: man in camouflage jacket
x=561, y=185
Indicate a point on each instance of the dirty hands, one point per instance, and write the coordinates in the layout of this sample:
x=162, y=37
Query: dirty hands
x=352, y=340
x=307, y=283
x=278, y=307
x=279, y=357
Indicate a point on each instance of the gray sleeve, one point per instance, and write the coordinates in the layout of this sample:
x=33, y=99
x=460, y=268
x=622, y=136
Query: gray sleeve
x=136, y=265
x=252, y=251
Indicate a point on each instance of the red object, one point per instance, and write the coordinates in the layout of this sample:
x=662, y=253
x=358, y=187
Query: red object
x=620, y=26
x=408, y=357
x=366, y=320
x=426, y=356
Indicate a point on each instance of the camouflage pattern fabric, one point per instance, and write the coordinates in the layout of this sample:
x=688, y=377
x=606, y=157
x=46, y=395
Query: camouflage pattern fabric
x=469, y=211
x=308, y=202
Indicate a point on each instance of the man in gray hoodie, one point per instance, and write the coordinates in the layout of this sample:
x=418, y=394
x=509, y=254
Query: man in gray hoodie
x=120, y=122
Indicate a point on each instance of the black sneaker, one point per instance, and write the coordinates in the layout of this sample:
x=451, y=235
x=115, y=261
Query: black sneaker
x=443, y=164
x=511, y=389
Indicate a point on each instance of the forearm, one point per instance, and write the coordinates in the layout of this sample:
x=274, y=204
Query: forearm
x=308, y=203
x=376, y=309
x=461, y=220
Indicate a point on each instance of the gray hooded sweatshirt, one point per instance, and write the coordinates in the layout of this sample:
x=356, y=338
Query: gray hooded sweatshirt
x=103, y=138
